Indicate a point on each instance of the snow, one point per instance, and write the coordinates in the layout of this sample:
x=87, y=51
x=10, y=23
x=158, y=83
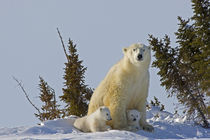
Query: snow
x=167, y=126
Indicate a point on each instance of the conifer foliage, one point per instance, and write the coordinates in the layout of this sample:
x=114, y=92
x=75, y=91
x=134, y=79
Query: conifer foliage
x=157, y=103
x=76, y=94
x=50, y=109
x=185, y=69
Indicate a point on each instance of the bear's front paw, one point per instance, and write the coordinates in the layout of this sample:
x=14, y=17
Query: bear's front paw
x=148, y=128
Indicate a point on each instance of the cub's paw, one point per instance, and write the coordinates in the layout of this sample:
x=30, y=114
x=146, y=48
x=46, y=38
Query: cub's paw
x=138, y=128
x=107, y=128
x=132, y=128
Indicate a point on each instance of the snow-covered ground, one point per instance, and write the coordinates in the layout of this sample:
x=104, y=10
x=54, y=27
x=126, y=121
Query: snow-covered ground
x=167, y=126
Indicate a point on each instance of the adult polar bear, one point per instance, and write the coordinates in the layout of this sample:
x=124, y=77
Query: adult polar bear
x=125, y=87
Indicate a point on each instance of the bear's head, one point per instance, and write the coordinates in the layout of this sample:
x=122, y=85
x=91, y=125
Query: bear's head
x=105, y=113
x=133, y=115
x=138, y=53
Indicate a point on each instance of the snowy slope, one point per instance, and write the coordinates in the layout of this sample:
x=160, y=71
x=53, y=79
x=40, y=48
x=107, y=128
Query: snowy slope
x=167, y=126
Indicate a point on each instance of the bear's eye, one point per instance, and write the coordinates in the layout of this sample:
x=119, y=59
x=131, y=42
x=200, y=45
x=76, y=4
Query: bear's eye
x=132, y=115
x=134, y=50
x=143, y=50
x=107, y=114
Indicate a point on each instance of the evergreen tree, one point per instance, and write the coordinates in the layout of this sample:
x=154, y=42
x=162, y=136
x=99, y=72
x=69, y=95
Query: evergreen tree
x=201, y=19
x=156, y=103
x=162, y=107
x=75, y=94
x=185, y=70
x=50, y=109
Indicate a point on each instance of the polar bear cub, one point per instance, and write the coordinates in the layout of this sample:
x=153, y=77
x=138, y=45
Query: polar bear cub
x=133, y=117
x=95, y=121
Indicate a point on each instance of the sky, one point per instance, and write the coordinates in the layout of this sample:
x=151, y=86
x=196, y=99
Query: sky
x=30, y=46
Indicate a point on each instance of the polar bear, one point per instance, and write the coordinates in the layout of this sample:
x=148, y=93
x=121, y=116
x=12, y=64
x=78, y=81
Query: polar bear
x=94, y=122
x=133, y=117
x=125, y=87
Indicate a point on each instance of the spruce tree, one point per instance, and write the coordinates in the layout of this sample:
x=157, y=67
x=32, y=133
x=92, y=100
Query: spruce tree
x=156, y=103
x=50, y=109
x=76, y=94
x=201, y=19
x=185, y=69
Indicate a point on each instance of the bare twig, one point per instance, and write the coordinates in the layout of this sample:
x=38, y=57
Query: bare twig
x=62, y=44
x=27, y=97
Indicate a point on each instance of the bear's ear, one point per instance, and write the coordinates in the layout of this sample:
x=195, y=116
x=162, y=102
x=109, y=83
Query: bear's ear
x=125, y=50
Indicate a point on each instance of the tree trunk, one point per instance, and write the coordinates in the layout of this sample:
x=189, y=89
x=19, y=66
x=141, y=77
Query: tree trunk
x=205, y=122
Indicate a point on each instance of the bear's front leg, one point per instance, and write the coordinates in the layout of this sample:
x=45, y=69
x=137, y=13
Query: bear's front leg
x=118, y=113
x=143, y=123
x=94, y=127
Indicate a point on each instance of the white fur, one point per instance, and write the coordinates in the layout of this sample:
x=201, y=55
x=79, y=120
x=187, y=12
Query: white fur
x=133, y=117
x=94, y=122
x=125, y=87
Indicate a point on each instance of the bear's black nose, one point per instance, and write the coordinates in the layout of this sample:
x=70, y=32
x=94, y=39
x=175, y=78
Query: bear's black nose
x=139, y=56
x=134, y=119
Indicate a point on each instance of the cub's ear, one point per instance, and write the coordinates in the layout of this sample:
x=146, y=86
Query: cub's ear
x=125, y=50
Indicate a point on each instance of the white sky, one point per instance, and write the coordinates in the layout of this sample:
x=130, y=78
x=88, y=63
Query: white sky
x=30, y=46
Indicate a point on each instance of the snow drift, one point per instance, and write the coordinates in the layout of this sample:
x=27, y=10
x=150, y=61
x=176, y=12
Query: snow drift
x=167, y=126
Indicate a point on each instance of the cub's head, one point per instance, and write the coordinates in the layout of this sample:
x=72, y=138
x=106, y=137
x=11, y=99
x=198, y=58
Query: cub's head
x=138, y=53
x=105, y=113
x=133, y=115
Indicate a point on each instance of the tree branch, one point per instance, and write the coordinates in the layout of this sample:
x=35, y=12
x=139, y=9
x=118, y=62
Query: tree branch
x=64, y=49
x=27, y=97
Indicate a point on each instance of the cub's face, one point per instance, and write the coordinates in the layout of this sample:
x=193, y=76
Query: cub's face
x=105, y=113
x=133, y=115
x=137, y=53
